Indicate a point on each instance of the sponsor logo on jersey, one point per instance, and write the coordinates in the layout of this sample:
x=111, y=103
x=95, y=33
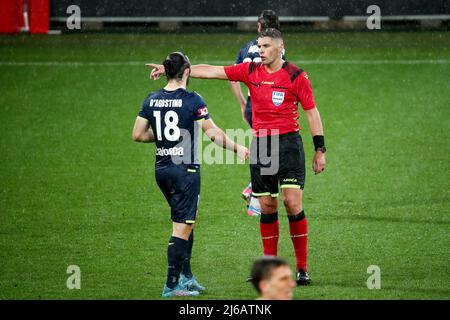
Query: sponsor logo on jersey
x=277, y=98
x=175, y=151
x=202, y=112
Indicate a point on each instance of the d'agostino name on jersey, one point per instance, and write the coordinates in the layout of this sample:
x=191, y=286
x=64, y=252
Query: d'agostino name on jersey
x=166, y=103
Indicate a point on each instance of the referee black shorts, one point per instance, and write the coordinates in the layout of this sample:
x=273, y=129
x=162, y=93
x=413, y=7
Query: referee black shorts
x=275, y=164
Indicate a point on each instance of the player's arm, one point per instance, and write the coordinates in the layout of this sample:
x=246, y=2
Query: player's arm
x=236, y=86
x=206, y=71
x=304, y=92
x=316, y=128
x=221, y=139
x=203, y=71
x=315, y=122
x=142, y=131
x=237, y=92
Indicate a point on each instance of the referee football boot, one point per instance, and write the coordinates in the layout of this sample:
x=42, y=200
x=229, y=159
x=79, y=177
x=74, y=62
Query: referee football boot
x=178, y=291
x=303, y=278
x=190, y=284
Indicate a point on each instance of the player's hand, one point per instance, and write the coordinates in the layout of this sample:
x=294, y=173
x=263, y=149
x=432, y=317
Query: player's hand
x=242, y=153
x=319, y=162
x=157, y=71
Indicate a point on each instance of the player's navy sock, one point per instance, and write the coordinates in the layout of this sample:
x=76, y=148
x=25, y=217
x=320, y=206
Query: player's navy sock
x=298, y=227
x=187, y=261
x=176, y=252
x=269, y=228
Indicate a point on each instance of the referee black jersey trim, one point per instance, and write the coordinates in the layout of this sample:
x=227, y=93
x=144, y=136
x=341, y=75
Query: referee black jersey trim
x=253, y=66
x=295, y=75
x=292, y=70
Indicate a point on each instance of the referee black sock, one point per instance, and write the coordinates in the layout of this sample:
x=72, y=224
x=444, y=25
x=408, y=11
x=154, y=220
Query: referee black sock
x=176, y=253
x=187, y=261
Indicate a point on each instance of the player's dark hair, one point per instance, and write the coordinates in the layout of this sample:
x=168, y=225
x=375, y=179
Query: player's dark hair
x=271, y=33
x=175, y=64
x=262, y=269
x=269, y=19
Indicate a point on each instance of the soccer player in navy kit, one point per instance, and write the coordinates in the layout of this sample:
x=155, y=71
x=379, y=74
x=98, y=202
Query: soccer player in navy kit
x=276, y=87
x=250, y=53
x=171, y=118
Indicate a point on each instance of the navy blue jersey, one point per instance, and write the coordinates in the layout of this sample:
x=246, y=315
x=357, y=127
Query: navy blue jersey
x=173, y=117
x=250, y=53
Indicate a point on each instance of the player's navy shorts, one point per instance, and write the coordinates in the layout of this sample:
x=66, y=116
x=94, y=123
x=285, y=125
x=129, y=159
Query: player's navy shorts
x=267, y=172
x=180, y=184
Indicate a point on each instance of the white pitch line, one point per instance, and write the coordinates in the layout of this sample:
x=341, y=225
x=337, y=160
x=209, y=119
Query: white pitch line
x=69, y=63
x=386, y=61
x=214, y=62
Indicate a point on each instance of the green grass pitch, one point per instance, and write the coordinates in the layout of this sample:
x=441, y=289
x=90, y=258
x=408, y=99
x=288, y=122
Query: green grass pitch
x=76, y=190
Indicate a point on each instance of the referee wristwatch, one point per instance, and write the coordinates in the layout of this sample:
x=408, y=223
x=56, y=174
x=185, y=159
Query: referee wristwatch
x=322, y=149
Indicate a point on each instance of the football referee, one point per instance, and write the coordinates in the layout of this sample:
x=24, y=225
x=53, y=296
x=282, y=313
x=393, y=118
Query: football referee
x=250, y=53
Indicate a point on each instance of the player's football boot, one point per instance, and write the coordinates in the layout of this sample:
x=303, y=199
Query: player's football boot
x=303, y=278
x=254, y=208
x=190, y=284
x=178, y=291
x=247, y=193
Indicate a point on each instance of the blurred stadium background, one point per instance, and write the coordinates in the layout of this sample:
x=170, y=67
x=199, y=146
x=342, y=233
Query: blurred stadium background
x=180, y=15
x=75, y=189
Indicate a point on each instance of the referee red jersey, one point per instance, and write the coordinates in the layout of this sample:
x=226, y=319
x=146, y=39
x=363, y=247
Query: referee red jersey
x=275, y=96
